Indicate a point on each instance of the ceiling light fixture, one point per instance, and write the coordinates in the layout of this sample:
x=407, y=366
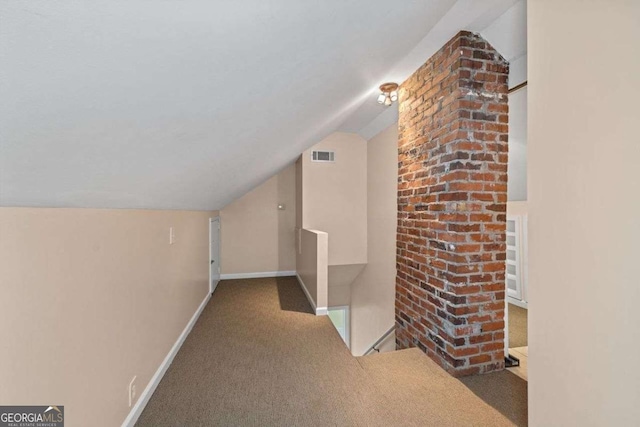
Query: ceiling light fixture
x=389, y=93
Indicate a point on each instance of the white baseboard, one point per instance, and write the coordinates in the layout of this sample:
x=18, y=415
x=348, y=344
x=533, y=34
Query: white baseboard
x=319, y=311
x=137, y=409
x=258, y=275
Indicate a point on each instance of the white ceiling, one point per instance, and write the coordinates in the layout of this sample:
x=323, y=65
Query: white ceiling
x=189, y=104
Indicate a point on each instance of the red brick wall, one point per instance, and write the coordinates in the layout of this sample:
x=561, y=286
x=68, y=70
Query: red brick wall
x=452, y=193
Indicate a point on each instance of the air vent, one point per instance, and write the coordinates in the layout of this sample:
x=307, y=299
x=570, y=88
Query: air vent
x=323, y=156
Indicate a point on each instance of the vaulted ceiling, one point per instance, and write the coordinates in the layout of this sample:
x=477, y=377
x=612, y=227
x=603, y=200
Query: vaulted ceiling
x=188, y=104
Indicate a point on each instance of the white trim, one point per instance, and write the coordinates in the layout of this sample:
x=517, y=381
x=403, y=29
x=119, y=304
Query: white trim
x=257, y=275
x=145, y=396
x=211, y=221
x=347, y=322
x=319, y=311
x=506, y=327
x=525, y=260
x=306, y=292
x=209, y=262
x=517, y=302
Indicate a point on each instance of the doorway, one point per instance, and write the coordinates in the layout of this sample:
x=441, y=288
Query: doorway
x=214, y=253
x=516, y=274
x=339, y=316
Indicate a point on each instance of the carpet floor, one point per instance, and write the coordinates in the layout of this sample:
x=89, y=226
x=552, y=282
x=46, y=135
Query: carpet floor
x=517, y=326
x=258, y=357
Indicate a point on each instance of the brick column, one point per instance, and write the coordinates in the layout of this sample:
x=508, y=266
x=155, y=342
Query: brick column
x=452, y=193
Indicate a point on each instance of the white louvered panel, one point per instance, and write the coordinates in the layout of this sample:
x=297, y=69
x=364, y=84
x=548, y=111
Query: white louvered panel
x=513, y=275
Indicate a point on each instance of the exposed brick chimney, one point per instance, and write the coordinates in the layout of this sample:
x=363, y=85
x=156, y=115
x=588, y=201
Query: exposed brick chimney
x=452, y=193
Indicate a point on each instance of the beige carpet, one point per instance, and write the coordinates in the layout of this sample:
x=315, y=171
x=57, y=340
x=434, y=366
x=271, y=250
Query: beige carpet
x=517, y=326
x=258, y=357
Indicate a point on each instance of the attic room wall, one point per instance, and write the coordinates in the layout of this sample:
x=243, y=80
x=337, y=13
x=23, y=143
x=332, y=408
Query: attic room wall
x=335, y=197
x=373, y=291
x=299, y=192
x=508, y=34
x=256, y=237
x=92, y=297
x=583, y=213
x=517, y=167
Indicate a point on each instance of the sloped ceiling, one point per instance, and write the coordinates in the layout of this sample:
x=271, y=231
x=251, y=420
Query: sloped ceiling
x=188, y=104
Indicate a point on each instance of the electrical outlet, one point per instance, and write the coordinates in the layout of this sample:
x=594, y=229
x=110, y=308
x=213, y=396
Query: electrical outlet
x=133, y=395
x=172, y=236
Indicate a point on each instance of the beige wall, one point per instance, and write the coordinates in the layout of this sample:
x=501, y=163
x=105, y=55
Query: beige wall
x=255, y=235
x=313, y=268
x=335, y=197
x=517, y=166
x=340, y=279
x=584, y=228
x=299, y=188
x=517, y=208
x=373, y=292
x=91, y=298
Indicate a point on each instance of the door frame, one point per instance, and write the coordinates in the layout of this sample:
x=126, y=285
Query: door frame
x=211, y=221
x=347, y=322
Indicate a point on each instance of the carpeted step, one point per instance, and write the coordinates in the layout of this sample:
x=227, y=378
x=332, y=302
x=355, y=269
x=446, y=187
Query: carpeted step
x=416, y=385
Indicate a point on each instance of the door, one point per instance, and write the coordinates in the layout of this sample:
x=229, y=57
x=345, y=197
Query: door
x=214, y=253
